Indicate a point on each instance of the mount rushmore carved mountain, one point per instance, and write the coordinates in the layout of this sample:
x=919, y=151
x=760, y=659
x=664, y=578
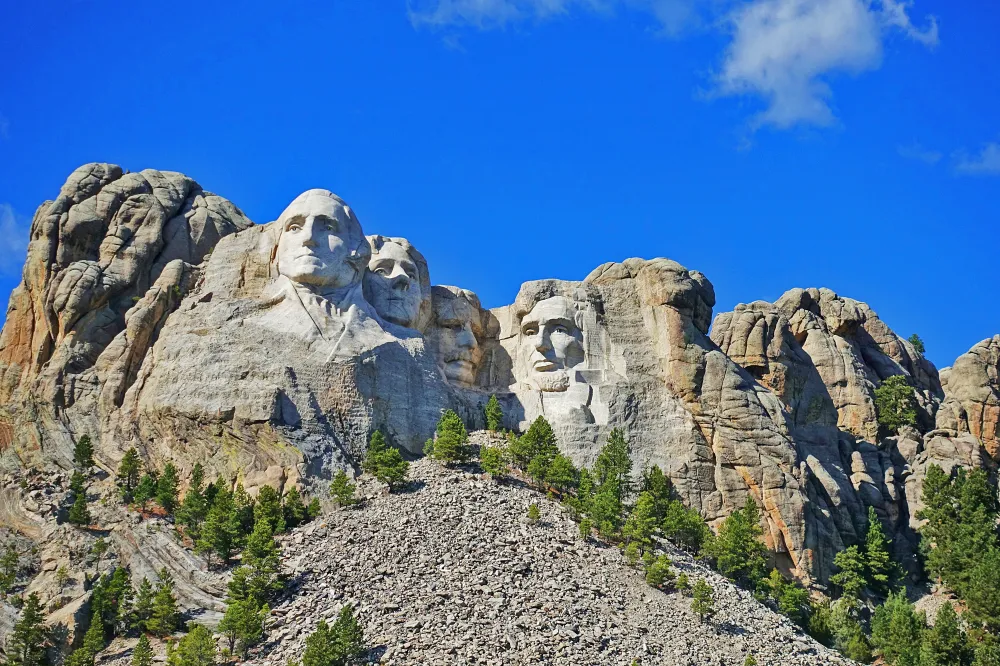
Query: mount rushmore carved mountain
x=153, y=314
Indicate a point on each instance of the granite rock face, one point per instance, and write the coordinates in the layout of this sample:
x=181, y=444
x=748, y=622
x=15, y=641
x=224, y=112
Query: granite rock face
x=155, y=315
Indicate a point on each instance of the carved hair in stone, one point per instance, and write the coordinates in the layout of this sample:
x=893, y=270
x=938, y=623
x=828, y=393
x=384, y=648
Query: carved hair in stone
x=397, y=282
x=456, y=332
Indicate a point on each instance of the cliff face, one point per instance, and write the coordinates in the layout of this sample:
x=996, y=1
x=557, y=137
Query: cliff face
x=153, y=314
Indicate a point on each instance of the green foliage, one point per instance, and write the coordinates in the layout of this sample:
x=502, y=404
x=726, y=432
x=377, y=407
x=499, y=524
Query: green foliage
x=313, y=509
x=658, y=485
x=268, y=508
x=143, y=608
x=539, y=440
x=641, y=523
x=685, y=527
x=944, y=643
x=702, y=599
x=93, y=640
x=683, y=584
x=197, y=648
x=897, y=631
x=737, y=550
x=534, y=514
x=142, y=653
x=750, y=660
x=586, y=525
x=166, y=488
x=493, y=414
x=338, y=645
x=987, y=652
x=982, y=591
x=851, y=577
x=220, y=530
x=129, y=470
x=8, y=569
x=493, y=461
x=632, y=553
x=451, y=445
x=613, y=467
x=659, y=573
x=294, y=508
x=77, y=483
x=917, y=343
x=243, y=510
x=342, y=490
x=79, y=513
x=112, y=602
x=27, y=641
x=895, y=404
x=882, y=571
x=848, y=635
x=83, y=453
x=820, y=623
x=146, y=490
x=194, y=508
x=561, y=474
x=243, y=625
x=259, y=574
x=385, y=463
x=164, y=618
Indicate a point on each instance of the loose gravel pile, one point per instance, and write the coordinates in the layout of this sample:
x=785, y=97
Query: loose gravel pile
x=452, y=572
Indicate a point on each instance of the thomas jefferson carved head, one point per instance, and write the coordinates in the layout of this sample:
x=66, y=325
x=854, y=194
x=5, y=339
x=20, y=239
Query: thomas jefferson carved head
x=320, y=242
x=397, y=282
x=550, y=333
x=455, y=333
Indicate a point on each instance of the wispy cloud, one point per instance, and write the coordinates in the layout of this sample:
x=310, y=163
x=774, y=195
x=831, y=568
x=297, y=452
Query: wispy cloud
x=785, y=51
x=984, y=163
x=781, y=51
x=915, y=151
x=14, y=230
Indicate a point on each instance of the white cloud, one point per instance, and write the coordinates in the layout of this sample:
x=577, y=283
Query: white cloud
x=985, y=163
x=14, y=231
x=915, y=151
x=894, y=15
x=786, y=50
x=490, y=13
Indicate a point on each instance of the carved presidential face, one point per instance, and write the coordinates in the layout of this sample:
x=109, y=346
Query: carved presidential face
x=321, y=242
x=551, y=343
x=393, y=284
x=457, y=327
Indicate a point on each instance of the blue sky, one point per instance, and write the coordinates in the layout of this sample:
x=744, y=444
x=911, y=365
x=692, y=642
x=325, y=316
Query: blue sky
x=852, y=144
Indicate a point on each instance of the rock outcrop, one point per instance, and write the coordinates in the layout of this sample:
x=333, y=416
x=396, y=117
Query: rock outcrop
x=154, y=315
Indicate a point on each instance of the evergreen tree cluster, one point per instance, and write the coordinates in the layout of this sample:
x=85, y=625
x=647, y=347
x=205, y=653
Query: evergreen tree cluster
x=386, y=463
x=895, y=404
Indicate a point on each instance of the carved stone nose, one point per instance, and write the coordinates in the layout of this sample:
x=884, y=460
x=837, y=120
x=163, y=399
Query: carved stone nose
x=401, y=282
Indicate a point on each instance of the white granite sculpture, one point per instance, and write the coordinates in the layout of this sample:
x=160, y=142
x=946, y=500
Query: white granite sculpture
x=397, y=282
x=456, y=333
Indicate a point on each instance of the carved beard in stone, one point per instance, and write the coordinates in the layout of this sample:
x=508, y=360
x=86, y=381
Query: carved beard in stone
x=393, y=283
x=321, y=245
x=457, y=325
x=551, y=344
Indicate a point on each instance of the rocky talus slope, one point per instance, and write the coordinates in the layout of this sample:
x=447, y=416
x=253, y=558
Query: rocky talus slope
x=452, y=572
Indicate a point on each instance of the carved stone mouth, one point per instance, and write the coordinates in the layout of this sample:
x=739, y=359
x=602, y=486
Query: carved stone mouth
x=543, y=366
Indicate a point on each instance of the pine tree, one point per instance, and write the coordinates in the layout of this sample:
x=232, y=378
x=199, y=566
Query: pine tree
x=987, y=652
x=539, y=440
x=451, y=443
x=166, y=488
x=376, y=447
x=219, y=531
x=641, y=523
x=83, y=453
x=93, y=640
x=294, y=509
x=561, y=474
x=77, y=483
x=313, y=510
x=882, y=571
x=494, y=414
x=659, y=573
x=534, y=514
x=194, y=508
x=143, y=609
x=848, y=635
x=197, y=648
x=658, y=485
x=79, y=514
x=944, y=643
x=982, y=591
x=335, y=646
x=737, y=549
x=702, y=599
x=8, y=569
x=632, y=553
x=685, y=527
x=897, y=631
x=164, y=619
x=244, y=509
x=385, y=463
x=895, y=404
x=917, y=343
x=129, y=470
x=142, y=653
x=260, y=558
x=146, y=490
x=26, y=644
x=493, y=461
x=342, y=490
x=613, y=466
x=851, y=577
x=243, y=625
